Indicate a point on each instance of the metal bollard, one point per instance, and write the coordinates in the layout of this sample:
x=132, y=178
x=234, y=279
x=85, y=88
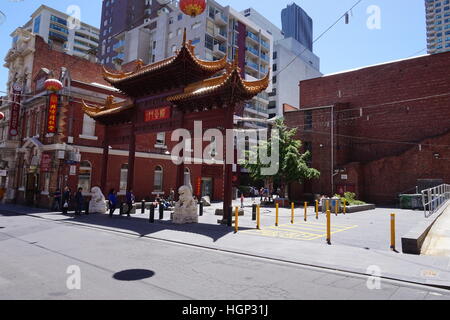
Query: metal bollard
x=345, y=207
x=230, y=217
x=253, y=212
x=86, y=208
x=143, y=207
x=393, y=231
x=152, y=213
x=200, y=209
x=121, y=208
x=328, y=205
x=276, y=215
x=236, y=220
x=161, y=211
x=306, y=211
x=329, y=227
x=258, y=218
x=292, y=213
x=336, y=207
x=317, y=209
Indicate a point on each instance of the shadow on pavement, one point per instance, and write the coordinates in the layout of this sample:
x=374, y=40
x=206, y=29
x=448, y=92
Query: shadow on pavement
x=133, y=275
x=144, y=228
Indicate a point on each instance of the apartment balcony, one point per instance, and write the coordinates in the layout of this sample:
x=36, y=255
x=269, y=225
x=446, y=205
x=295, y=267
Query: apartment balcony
x=252, y=51
x=265, y=58
x=119, y=46
x=253, y=37
x=252, y=65
x=221, y=34
x=220, y=49
x=220, y=19
x=265, y=44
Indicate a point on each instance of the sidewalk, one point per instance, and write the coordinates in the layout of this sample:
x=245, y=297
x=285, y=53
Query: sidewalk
x=437, y=242
x=428, y=270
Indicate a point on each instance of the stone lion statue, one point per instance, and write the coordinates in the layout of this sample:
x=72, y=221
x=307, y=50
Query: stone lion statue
x=186, y=208
x=98, y=201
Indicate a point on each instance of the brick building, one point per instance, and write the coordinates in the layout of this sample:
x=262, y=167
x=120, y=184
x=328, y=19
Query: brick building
x=377, y=130
x=44, y=162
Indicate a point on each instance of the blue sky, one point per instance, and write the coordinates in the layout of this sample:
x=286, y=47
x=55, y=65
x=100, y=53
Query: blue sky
x=402, y=33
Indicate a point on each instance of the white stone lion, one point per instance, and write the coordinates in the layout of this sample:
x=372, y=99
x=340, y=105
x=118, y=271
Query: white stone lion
x=98, y=201
x=186, y=208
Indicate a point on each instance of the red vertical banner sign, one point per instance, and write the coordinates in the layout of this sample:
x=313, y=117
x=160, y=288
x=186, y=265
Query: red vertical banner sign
x=15, y=111
x=199, y=187
x=52, y=109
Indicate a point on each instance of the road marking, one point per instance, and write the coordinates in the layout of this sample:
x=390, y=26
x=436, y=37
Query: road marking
x=297, y=231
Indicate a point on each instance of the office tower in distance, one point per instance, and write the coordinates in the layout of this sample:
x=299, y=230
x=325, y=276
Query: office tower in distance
x=438, y=25
x=298, y=25
x=54, y=27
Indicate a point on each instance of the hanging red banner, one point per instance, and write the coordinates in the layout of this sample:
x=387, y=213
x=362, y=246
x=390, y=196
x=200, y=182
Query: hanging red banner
x=46, y=161
x=157, y=114
x=52, y=109
x=15, y=111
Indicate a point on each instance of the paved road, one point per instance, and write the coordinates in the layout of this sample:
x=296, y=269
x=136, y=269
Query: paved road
x=35, y=255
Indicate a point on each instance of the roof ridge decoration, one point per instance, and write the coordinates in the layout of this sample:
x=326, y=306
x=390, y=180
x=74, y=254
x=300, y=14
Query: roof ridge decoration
x=187, y=50
x=109, y=107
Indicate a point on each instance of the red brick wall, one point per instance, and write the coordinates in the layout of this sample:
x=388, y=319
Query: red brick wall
x=381, y=114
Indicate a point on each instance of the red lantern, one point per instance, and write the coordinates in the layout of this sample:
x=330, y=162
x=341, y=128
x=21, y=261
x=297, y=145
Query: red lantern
x=193, y=7
x=53, y=85
x=2, y=116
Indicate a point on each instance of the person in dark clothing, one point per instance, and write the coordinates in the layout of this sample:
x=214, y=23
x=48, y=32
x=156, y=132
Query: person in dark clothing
x=79, y=201
x=67, y=197
x=56, y=200
x=112, y=198
x=130, y=201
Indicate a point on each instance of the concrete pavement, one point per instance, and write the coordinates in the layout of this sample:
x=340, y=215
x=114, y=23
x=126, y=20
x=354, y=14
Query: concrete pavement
x=36, y=251
x=437, y=242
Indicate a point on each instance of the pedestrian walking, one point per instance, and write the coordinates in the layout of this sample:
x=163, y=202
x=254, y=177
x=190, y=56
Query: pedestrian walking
x=79, y=201
x=112, y=198
x=56, y=205
x=242, y=199
x=130, y=200
x=66, y=198
x=261, y=194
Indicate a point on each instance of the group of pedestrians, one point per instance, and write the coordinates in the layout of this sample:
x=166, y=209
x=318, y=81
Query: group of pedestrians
x=63, y=201
x=112, y=199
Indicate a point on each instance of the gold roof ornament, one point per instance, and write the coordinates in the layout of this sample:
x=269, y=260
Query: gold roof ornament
x=187, y=51
x=109, y=108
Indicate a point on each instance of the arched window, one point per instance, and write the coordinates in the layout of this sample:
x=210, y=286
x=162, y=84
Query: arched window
x=123, y=177
x=158, y=182
x=187, y=177
x=84, y=176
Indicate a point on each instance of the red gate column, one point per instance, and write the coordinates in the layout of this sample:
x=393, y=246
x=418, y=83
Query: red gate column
x=104, y=176
x=131, y=159
x=228, y=172
x=180, y=168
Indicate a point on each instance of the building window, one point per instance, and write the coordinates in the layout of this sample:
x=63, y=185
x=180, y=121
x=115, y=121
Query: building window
x=88, y=126
x=308, y=120
x=161, y=139
x=123, y=177
x=180, y=17
x=275, y=55
x=274, y=79
x=158, y=181
x=274, y=67
x=46, y=182
x=84, y=176
x=37, y=24
x=196, y=25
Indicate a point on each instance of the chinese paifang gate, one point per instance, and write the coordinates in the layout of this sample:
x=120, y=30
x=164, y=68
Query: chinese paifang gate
x=172, y=94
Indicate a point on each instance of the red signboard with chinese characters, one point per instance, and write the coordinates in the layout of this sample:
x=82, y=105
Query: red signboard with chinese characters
x=52, y=109
x=199, y=186
x=157, y=114
x=15, y=111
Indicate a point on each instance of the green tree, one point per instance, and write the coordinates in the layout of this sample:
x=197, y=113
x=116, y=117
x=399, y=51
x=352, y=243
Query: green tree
x=292, y=163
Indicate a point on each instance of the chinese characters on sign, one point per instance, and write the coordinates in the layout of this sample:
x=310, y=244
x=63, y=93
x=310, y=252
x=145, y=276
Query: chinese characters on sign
x=45, y=162
x=157, y=114
x=15, y=111
x=52, y=108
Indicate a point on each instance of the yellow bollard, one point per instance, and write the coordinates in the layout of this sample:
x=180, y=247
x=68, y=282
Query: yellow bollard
x=393, y=232
x=336, y=208
x=317, y=209
x=276, y=215
x=306, y=211
x=258, y=221
x=328, y=204
x=328, y=227
x=236, y=220
x=292, y=213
